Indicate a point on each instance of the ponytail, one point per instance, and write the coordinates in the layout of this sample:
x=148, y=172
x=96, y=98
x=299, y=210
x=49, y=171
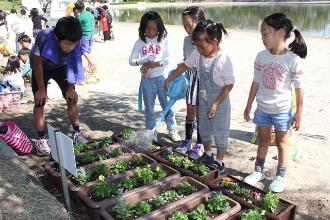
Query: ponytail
x=298, y=45
x=210, y=30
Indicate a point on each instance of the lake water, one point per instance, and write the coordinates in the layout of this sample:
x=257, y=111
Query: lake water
x=310, y=19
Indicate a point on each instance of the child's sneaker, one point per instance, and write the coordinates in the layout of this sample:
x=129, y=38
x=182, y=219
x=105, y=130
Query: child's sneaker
x=42, y=147
x=278, y=184
x=185, y=146
x=220, y=166
x=253, y=178
x=175, y=137
x=196, y=152
x=78, y=138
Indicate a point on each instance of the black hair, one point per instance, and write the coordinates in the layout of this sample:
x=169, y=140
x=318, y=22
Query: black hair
x=68, y=28
x=3, y=17
x=13, y=11
x=13, y=64
x=24, y=38
x=79, y=5
x=23, y=12
x=105, y=7
x=280, y=20
x=152, y=16
x=209, y=29
x=195, y=12
x=88, y=9
x=24, y=51
x=34, y=12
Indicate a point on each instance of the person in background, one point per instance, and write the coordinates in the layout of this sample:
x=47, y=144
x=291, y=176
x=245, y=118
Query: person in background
x=16, y=28
x=24, y=41
x=37, y=21
x=111, y=34
x=24, y=55
x=275, y=69
x=104, y=19
x=87, y=23
x=13, y=75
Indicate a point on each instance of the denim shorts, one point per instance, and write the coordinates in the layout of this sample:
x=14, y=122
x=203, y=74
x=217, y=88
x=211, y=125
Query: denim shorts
x=281, y=121
x=87, y=43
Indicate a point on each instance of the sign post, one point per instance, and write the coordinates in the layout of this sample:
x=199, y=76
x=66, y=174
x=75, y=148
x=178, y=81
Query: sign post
x=62, y=152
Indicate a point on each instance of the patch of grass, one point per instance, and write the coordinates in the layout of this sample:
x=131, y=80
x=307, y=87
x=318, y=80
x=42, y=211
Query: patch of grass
x=7, y=5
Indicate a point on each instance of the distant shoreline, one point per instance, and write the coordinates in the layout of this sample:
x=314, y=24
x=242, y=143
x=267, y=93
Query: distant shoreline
x=227, y=3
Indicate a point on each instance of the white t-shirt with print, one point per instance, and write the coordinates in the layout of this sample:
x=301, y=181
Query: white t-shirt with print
x=152, y=50
x=275, y=74
x=223, y=70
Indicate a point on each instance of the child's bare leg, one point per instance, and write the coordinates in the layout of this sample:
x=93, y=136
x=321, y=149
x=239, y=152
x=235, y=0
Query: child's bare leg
x=191, y=112
x=39, y=120
x=73, y=113
x=283, y=151
x=220, y=155
x=264, y=142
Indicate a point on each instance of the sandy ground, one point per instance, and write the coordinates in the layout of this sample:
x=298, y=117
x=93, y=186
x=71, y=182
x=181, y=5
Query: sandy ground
x=112, y=104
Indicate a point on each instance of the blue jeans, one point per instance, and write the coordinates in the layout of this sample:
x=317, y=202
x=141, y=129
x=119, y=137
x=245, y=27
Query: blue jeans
x=281, y=121
x=151, y=88
x=87, y=43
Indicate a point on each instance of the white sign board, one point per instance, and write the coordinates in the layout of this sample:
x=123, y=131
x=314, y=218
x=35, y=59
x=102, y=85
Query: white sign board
x=64, y=145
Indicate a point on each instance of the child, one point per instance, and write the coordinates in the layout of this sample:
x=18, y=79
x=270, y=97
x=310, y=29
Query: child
x=87, y=22
x=274, y=70
x=151, y=52
x=13, y=76
x=111, y=34
x=36, y=20
x=24, y=55
x=56, y=54
x=190, y=17
x=215, y=71
x=25, y=41
x=104, y=19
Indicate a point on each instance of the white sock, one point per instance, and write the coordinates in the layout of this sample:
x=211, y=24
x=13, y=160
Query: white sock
x=209, y=153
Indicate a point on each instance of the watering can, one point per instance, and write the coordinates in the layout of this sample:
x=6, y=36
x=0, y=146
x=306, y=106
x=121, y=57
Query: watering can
x=177, y=90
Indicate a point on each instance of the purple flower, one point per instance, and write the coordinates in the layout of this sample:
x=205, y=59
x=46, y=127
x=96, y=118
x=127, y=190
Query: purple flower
x=169, y=149
x=256, y=195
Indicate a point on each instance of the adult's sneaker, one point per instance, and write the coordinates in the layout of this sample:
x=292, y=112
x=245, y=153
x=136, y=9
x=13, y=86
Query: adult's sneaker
x=42, y=147
x=184, y=147
x=253, y=178
x=196, y=152
x=79, y=138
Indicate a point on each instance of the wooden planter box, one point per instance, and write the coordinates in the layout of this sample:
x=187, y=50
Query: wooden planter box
x=192, y=204
x=147, y=194
x=213, y=174
x=93, y=207
x=109, y=149
x=287, y=209
x=74, y=188
x=114, y=143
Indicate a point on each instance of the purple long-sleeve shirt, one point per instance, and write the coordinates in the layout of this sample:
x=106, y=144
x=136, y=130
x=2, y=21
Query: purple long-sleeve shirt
x=47, y=47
